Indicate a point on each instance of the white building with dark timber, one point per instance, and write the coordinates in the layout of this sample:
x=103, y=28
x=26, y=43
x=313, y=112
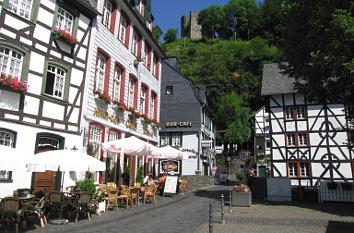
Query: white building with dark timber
x=308, y=141
x=185, y=122
x=45, y=44
x=123, y=88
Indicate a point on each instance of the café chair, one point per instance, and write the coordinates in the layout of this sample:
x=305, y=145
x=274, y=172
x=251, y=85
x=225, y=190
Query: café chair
x=37, y=209
x=150, y=192
x=82, y=205
x=124, y=195
x=134, y=196
x=54, y=202
x=10, y=212
x=111, y=199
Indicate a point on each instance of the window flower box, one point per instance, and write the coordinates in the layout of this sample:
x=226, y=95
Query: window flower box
x=155, y=123
x=134, y=113
x=146, y=119
x=10, y=83
x=102, y=96
x=131, y=122
x=118, y=106
x=64, y=41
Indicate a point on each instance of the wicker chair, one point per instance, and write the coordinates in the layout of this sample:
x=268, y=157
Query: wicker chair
x=37, y=209
x=111, y=198
x=134, y=196
x=54, y=202
x=124, y=195
x=11, y=212
x=82, y=205
x=150, y=192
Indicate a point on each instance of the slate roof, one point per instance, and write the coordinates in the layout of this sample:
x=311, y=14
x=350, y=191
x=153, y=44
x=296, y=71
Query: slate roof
x=90, y=5
x=275, y=82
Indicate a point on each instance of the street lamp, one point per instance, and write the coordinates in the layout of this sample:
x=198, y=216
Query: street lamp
x=228, y=159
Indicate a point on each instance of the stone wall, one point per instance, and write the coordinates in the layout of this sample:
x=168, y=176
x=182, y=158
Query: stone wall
x=195, y=182
x=190, y=27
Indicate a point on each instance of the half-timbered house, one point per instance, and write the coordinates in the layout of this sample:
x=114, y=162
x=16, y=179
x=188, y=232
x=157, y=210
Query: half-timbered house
x=124, y=84
x=44, y=48
x=308, y=140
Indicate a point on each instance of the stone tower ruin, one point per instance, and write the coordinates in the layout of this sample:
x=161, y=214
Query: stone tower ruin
x=190, y=27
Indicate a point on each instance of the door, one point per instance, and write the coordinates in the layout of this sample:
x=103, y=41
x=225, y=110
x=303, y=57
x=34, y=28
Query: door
x=262, y=171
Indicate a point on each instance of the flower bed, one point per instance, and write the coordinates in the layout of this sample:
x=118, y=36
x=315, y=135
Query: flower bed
x=12, y=83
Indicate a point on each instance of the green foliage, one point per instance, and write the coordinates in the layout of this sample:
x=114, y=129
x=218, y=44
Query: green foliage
x=140, y=175
x=157, y=32
x=318, y=41
x=212, y=20
x=241, y=176
x=170, y=35
x=86, y=185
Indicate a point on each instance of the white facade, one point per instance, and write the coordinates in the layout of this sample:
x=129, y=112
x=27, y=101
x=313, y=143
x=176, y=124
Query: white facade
x=124, y=65
x=47, y=114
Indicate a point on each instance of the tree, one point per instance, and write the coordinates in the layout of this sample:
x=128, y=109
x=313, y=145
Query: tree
x=317, y=42
x=246, y=13
x=212, y=20
x=157, y=32
x=170, y=35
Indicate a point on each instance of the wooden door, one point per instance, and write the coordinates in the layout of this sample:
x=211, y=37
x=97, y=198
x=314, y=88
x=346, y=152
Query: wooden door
x=44, y=181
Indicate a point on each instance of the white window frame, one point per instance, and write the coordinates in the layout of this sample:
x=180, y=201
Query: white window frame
x=300, y=112
x=146, y=53
x=131, y=91
x=22, y=8
x=152, y=106
x=107, y=14
x=291, y=139
x=135, y=44
x=302, y=139
x=117, y=83
x=165, y=139
x=142, y=99
x=7, y=138
x=293, y=169
x=305, y=170
x=10, y=61
x=113, y=135
x=176, y=139
x=59, y=81
x=122, y=29
x=154, y=64
x=100, y=72
x=65, y=20
x=289, y=113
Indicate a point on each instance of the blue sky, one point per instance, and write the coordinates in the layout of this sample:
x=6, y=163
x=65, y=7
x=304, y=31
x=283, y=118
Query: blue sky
x=168, y=13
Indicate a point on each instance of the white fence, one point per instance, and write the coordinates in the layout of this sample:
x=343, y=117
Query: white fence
x=342, y=192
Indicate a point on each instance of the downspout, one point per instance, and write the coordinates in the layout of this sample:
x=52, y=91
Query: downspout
x=199, y=133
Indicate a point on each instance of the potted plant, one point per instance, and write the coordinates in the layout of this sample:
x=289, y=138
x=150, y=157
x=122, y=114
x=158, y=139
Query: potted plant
x=139, y=176
x=11, y=83
x=241, y=195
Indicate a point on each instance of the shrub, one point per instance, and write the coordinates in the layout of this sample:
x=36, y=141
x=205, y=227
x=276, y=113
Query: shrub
x=86, y=185
x=241, y=176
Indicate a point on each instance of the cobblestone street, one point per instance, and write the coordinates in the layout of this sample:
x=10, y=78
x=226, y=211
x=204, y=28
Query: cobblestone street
x=189, y=213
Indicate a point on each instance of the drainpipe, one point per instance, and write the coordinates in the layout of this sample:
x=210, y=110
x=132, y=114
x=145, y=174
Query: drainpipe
x=198, y=157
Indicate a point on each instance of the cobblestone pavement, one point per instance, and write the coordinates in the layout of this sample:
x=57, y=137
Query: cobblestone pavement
x=279, y=218
x=189, y=213
x=182, y=213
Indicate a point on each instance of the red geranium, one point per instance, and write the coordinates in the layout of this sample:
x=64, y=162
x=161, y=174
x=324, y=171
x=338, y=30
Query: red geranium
x=72, y=40
x=13, y=83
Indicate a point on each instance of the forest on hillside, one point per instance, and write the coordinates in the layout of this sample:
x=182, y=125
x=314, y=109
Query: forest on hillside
x=315, y=38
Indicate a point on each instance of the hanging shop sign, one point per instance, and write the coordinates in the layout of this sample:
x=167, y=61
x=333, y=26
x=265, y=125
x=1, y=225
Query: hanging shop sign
x=178, y=124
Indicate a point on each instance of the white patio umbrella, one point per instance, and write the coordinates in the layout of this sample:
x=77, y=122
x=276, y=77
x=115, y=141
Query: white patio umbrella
x=65, y=160
x=12, y=159
x=130, y=146
x=168, y=152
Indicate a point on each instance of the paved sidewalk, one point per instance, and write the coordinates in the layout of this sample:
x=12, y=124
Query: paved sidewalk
x=287, y=217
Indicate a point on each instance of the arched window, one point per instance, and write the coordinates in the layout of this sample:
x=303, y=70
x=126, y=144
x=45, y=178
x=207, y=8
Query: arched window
x=55, y=81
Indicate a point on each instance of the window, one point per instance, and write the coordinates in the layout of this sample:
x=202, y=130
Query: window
x=107, y=14
x=293, y=169
x=302, y=139
x=96, y=133
x=7, y=138
x=131, y=92
x=135, y=46
x=122, y=29
x=10, y=62
x=300, y=110
x=289, y=113
x=299, y=169
x=100, y=72
x=21, y=7
x=65, y=20
x=142, y=99
x=147, y=51
x=116, y=83
x=55, y=82
x=155, y=66
x=169, y=90
x=268, y=144
x=113, y=135
x=291, y=139
x=152, y=106
x=165, y=139
x=176, y=140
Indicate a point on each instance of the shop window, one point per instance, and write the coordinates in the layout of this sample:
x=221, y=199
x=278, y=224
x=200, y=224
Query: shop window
x=55, y=82
x=7, y=138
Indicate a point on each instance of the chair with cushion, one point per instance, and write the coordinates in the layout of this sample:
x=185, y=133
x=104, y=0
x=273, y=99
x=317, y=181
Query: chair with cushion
x=82, y=205
x=124, y=195
x=111, y=199
x=10, y=212
x=150, y=192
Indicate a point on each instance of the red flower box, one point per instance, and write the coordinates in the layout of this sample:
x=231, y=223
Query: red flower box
x=66, y=36
x=13, y=83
